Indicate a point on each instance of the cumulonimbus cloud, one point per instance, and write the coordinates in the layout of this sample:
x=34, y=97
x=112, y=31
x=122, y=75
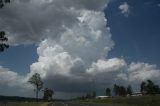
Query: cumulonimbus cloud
x=73, y=40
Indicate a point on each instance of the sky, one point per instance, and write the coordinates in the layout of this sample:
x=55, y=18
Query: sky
x=78, y=46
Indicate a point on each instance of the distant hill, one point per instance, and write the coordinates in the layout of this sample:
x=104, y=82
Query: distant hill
x=21, y=99
x=16, y=98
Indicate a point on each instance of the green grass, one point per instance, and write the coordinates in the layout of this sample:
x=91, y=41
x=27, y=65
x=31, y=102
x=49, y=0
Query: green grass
x=25, y=104
x=134, y=101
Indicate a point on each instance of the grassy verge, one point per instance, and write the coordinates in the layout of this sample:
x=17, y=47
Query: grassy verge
x=101, y=104
x=134, y=101
x=44, y=104
x=25, y=104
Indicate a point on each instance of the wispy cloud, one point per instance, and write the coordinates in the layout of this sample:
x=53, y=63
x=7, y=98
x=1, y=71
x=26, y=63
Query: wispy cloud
x=125, y=9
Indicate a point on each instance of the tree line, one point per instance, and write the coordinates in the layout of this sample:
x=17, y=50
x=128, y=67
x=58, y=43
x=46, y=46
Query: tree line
x=149, y=87
x=119, y=90
x=146, y=88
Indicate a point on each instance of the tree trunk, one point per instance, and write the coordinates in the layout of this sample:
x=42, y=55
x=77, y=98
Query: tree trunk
x=37, y=94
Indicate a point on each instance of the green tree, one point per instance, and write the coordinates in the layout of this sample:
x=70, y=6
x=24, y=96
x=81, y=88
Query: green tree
x=143, y=87
x=115, y=89
x=149, y=87
x=129, y=90
x=48, y=93
x=94, y=94
x=122, y=91
x=119, y=90
x=36, y=81
x=157, y=89
x=108, y=92
x=152, y=88
x=88, y=96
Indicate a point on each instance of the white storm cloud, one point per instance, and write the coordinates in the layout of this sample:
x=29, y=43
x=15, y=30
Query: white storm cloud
x=73, y=40
x=14, y=84
x=143, y=71
x=30, y=21
x=110, y=65
x=76, y=49
x=9, y=77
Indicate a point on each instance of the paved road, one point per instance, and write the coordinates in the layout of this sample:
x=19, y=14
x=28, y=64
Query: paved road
x=73, y=104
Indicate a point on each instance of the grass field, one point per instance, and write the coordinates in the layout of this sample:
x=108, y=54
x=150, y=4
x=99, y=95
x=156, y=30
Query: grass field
x=134, y=101
x=114, y=101
x=24, y=104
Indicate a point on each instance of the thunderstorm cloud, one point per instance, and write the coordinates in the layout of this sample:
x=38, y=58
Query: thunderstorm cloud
x=73, y=40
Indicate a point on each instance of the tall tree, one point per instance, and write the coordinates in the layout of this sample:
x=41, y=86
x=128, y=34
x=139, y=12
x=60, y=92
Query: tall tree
x=143, y=87
x=108, y=92
x=36, y=81
x=94, y=94
x=129, y=90
x=149, y=88
x=115, y=89
x=119, y=90
x=48, y=93
x=122, y=91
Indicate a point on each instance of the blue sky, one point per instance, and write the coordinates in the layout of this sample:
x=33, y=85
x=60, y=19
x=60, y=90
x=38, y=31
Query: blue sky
x=136, y=36
x=69, y=41
x=19, y=58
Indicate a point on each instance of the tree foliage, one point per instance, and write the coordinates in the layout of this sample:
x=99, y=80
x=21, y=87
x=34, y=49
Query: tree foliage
x=119, y=90
x=115, y=89
x=143, y=87
x=129, y=90
x=48, y=93
x=3, y=2
x=149, y=87
x=36, y=81
x=3, y=40
x=88, y=96
x=94, y=94
x=122, y=91
x=108, y=92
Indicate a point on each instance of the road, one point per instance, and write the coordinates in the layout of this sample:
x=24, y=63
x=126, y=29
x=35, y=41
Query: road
x=73, y=104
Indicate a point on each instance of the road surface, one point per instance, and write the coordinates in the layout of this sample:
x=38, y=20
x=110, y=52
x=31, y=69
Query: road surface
x=73, y=104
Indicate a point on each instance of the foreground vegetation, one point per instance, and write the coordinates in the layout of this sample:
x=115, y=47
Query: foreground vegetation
x=133, y=101
x=24, y=104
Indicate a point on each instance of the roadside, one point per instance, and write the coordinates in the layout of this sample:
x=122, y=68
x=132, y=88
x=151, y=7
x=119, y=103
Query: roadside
x=24, y=104
x=153, y=100
x=97, y=104
x=44, y=104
